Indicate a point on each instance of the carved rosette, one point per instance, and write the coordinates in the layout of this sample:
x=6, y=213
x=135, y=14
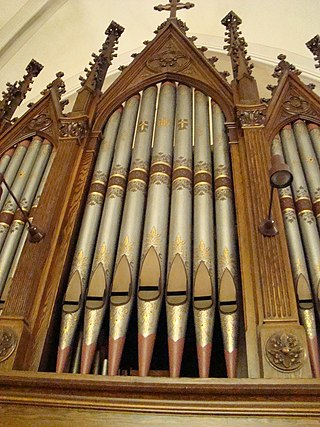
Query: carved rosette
x=251, y=116
x=73, y=128
x=169, y=59
x=8, y=343
x=284, y=352
x=40, y=122
x=296, y=105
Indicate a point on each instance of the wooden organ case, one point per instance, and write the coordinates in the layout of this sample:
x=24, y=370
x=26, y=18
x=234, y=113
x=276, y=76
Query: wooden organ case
x=150, y=196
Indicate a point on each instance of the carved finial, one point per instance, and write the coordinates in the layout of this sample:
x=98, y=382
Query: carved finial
x=284, y=66
x=59, y=87
x=174, y=6
x=99, y=67
x=236, y=46
x=314, y=46
x=16, y=92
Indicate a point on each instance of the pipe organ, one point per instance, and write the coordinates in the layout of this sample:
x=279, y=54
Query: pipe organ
x=151, y=196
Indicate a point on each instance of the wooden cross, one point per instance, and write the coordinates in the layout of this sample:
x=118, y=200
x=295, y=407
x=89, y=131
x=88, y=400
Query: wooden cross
x=173, y=6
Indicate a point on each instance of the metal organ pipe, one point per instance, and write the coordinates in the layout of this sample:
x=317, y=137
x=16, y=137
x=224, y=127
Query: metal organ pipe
x=80, y=269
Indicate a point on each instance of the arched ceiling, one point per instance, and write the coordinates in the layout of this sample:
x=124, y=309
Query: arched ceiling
x=62, y=34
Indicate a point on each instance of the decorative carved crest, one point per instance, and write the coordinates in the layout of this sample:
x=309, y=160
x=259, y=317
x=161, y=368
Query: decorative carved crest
x=314, y=46
x=169, y=59
x=8, y=343
x=40, y=122
x=71, y=127
x=284, y=352
x=236, y=46
x=17, y=91
x=99, y=67
x=252, y=116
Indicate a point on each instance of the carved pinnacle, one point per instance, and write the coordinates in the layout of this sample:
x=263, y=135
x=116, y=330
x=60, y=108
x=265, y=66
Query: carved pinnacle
x=99, y=67
x=16, y=92
x=58, y=86
x=284, y=66
x=236, y=46
x=314, y=46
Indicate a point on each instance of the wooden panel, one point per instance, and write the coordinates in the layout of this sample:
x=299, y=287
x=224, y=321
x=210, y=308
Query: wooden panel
x=89, y=400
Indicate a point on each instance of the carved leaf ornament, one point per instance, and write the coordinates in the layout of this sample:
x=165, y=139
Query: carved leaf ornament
x=284, y=352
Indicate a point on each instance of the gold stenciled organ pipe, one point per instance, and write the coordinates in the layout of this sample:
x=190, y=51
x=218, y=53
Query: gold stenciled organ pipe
x=228, y=274
x=309, y=164
x=127, y=263
x=5, y=160
x=152, y=277
x=314, y=133
x=299, y=268
x=13, y=167
x=81, y=264
x=19, y=183
x=179, y=249
x=17, y=226
x=24, y=236
x=105, y=250
x=304, y=210
x=203, y=237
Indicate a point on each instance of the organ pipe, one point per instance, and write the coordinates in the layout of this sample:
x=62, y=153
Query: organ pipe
x=203, y=237
x=124, y=283
x=299, y=268
x=81, y=264
x=152, y=277
x=228, y=274
x=179, y=249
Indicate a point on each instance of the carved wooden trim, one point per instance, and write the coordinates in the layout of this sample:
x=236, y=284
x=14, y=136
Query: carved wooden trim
x=291, y=100
x=251, y=116
x=214, y=397
x=170, y=56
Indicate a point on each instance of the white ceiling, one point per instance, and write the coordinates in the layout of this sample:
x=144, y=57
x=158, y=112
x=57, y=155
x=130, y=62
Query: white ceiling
x=62, y=34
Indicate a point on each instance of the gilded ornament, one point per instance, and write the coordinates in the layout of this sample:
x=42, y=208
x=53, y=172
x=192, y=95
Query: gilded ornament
x=153, y=238
x=183, y=124
x=8, y=343
x=284, y=352
x=296, y=105
x=143, y=126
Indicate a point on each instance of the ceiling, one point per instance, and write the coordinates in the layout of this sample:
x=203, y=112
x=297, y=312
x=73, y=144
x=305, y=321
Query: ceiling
x=62, y=34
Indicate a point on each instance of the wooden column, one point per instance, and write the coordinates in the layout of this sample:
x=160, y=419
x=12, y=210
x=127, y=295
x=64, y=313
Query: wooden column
x=34, y=291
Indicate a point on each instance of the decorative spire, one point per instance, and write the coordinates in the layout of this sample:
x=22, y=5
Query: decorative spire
x=284, y=66
x=96, y=74
x=16, y=92
x=236, y=46
x=173, y=6
x=59, y=87
x=314, y=46
x=99, y=67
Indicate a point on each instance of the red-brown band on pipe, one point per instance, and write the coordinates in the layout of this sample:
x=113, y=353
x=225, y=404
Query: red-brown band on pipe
x=222, y=181
x=182, y=172
x=316, y=208
x=118, y=181
x=98, y=187
x=303, y=205
x=160, y=167
x=286, y=203
x=138, y=174
x=203, y=178
x=6, y=218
